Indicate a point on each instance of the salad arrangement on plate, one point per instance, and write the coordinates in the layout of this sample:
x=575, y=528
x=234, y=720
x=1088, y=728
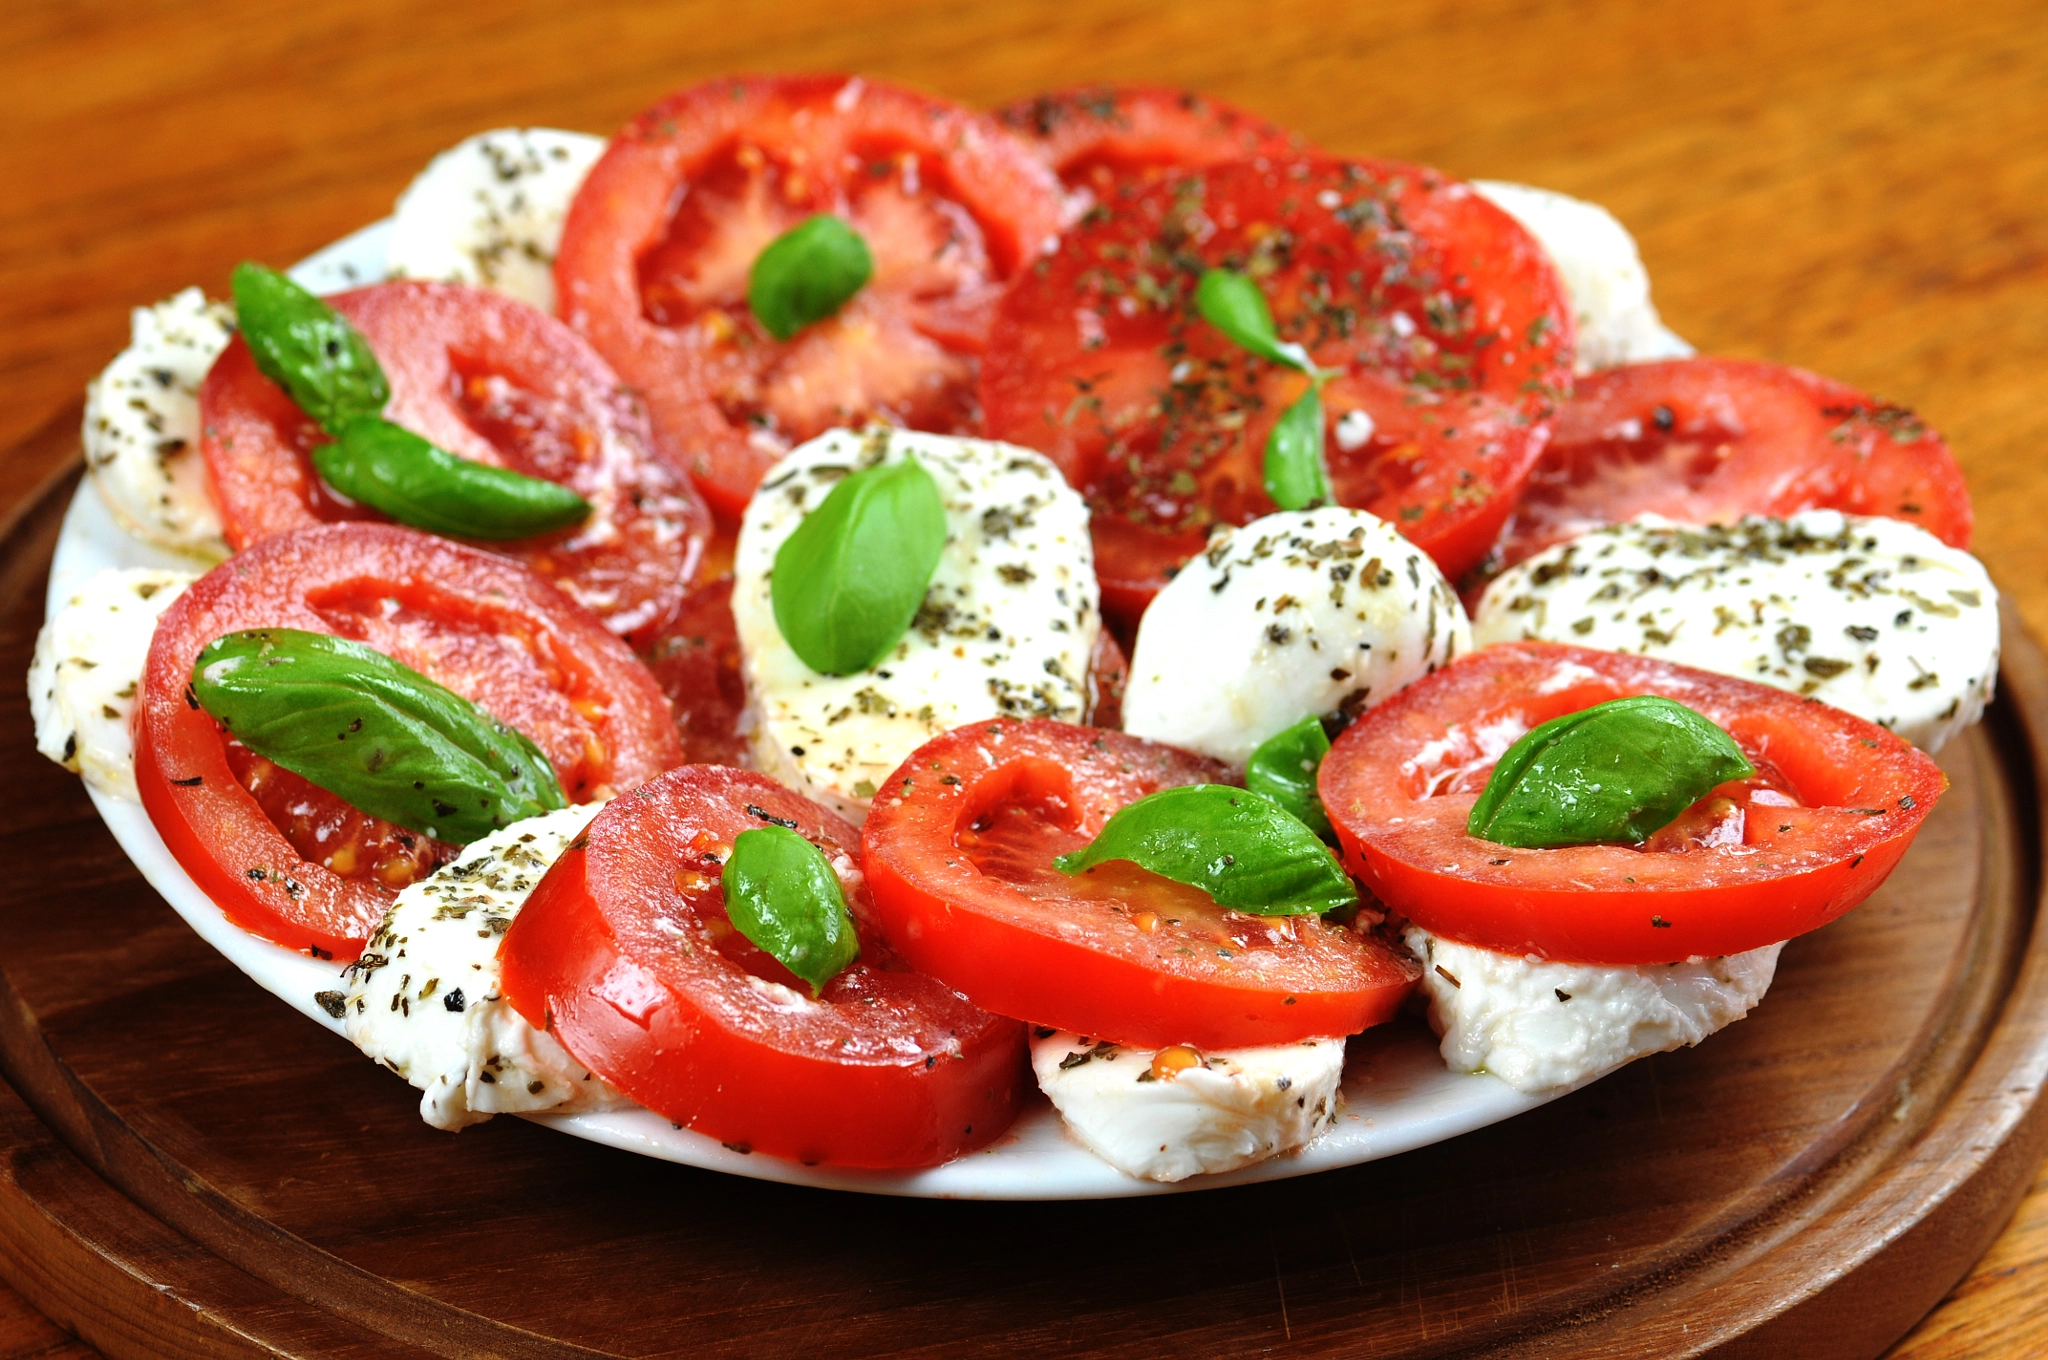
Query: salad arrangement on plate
x=821, y=613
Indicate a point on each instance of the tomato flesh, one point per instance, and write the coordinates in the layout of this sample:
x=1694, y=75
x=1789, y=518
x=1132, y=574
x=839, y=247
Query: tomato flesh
x=1706, y=441
x=659, y=244
x=625, y=953
x=1446, y=324
x=497, y=382
x=958, y=854
x=325, y=830
x=302, y=868
x=1836, y=803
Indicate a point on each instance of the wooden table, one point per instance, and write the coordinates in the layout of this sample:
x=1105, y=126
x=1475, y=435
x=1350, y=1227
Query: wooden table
x=1860, y=189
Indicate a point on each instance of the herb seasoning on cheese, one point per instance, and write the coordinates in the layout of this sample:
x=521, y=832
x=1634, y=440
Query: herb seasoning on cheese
x=423, y=998
x=1873, y=616
x=1320, y=612
x=142, y=425
x=1006, y=629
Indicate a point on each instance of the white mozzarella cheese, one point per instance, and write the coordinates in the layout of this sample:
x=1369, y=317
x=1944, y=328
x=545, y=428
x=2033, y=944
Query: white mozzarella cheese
x=1162, y=1122
x=1007, y=627
x=1603, y=275
x=141, y=432
x=1302, y=612
x=87, y=667
x=423, y=999
x=1539, y=1025
x=1874, y=616
x=489, y=211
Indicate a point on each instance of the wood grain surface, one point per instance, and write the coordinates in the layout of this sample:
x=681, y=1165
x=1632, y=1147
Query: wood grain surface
x=1860, y=189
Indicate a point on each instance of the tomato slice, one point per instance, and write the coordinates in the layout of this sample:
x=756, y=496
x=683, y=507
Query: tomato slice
x=655, y=255
x=1444, y=318
x=1097, y=136
x=493, y=380
x=480, y=624
x=696, y=661
x=1837, y=803
x=958, y=854
x=626, y=954
x=1706, y=441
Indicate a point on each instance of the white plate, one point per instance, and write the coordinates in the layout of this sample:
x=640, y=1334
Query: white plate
x=1397, y=1093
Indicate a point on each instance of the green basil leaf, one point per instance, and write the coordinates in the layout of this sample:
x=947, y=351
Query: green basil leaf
x=806, y=274
x=1295, y=476
x=378, y=464
x=1234, y=305
x=1615, y=772
x=1242, y=848
x=307, y=348
x=849, y=581
x=378, y=734
x=781, y=893
x=1284, y=769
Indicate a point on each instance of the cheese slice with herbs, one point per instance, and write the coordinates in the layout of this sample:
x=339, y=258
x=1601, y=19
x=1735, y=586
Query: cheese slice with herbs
x=1007, y=626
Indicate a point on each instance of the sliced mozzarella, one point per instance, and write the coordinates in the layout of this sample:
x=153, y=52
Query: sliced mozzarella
x=88, y=666
x=1875, y=616
x=1007, y=627
x=489, y=211
x=1302, y=612
x=423, y=999
x=1602, y=272
x=1159, y=1122
x=141, y=431
x=1539, y=1025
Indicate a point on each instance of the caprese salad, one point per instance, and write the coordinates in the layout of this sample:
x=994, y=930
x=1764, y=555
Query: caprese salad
x=666, y=642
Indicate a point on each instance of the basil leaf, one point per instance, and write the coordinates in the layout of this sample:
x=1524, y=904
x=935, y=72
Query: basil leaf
x=1617, y=771
x=1295, y=476
x=781, y=893
x=849, y=581
x=378, y=734
x=378, y=464
x=1241, y=848
x=307, y=348
x=806, y=274
x=1284, y=769
x=1234, y=305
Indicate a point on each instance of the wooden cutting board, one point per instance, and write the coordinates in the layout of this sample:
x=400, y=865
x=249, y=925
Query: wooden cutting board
x=192, y=1169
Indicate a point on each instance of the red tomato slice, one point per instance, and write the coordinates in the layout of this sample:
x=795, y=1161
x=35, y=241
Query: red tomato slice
x=656, y=252
x=481, y=625
x=1097, y=136
x=1706, y=441
x=493, y=380
x=958, y=854
x=1445, y=318
x=697, y=663
x=1752, y=864
x=625, y=953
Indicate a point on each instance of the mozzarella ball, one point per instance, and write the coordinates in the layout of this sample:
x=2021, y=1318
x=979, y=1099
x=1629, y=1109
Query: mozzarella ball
x=1541, y=1026
x=423, y=998
x=1007, y=626
x=1876, y=617
x=87, y=669
x=1167, y=1116
x=489, y=211
x=1603, y=275
x=1304, y=612
x=141, y=432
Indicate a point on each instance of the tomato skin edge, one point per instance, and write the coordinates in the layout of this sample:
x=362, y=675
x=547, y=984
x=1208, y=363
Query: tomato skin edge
x=693, y=1072
x=1695, y=922
x=1862, y=794
x=1142, y=1008
x=232, y=893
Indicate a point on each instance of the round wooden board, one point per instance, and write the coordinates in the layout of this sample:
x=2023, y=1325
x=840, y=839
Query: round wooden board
x=191, y=1169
